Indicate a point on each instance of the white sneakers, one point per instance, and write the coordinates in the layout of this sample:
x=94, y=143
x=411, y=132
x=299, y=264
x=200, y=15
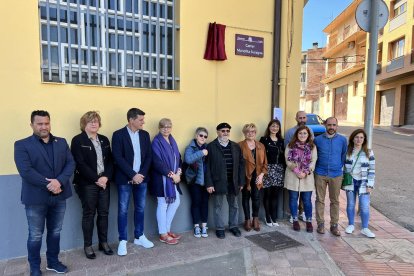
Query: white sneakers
x=365, y=231
x=122, y=248
x=349, y=229
x=144, y=242
x=368, y=233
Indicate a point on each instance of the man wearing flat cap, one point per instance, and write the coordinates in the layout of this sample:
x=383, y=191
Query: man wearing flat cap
x=225, y=178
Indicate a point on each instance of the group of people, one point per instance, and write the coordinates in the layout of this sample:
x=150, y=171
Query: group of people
x=318, y=164
x=220, y=169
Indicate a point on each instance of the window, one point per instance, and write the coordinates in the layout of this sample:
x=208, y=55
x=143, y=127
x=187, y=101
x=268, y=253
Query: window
x=397, y=48
x=399, y=7
x=128, y=43
x=303, y=77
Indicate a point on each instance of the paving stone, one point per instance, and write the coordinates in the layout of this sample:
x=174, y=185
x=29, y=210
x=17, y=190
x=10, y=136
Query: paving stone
x=297, y=263
x=301, y=271
x=283, y=271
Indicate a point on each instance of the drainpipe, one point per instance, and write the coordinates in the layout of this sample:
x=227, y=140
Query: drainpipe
x=276, y=55
x=279, y=78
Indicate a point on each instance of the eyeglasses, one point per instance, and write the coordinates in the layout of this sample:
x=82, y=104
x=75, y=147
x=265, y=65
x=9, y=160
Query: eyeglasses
x=203, y=136
x=225, y=131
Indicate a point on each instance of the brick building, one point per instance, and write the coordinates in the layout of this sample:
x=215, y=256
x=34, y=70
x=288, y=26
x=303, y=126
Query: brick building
x=312, y=72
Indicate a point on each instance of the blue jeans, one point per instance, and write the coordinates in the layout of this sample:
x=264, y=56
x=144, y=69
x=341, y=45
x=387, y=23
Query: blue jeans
x=307, y=204
x=52, y=213
x=139, y=192
x=364, y=202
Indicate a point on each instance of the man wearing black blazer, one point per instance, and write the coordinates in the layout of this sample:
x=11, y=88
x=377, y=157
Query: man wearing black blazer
x=45, y=164
x=131, y=149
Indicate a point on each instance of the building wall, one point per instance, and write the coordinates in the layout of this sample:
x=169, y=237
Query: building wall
x=355, y=102
x=237, y=90
x=399, y=78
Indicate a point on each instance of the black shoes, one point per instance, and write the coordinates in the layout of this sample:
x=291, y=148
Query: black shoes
x=235, y=231
x=89, y=253
x=103, y=246
x=220, y=234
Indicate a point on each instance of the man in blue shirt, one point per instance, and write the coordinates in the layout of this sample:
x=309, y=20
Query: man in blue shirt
x=328, y=173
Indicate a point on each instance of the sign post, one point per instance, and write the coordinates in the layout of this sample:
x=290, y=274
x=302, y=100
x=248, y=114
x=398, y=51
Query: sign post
x=371, y=15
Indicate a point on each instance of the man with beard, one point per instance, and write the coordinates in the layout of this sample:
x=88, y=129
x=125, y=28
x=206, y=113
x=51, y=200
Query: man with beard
x=45, y=164
x=225, y=178
x=331, y=148
x=301, y=121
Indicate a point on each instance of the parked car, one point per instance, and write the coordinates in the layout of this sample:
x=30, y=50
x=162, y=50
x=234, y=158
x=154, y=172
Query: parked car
x=315, y=123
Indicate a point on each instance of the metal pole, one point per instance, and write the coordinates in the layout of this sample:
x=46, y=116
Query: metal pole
x=371, y=72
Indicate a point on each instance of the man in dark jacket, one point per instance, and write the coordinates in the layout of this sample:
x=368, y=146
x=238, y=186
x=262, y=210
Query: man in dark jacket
x=131, y=149
x=225, y=177
x=45, y=164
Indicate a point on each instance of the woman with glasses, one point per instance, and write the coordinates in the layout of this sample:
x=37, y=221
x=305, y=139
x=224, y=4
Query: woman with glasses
x=94, y=167
x=276, y=164
x=301, y=155
x=165, y=179
x=360, y=163
x=194, y=156
x=254, y=154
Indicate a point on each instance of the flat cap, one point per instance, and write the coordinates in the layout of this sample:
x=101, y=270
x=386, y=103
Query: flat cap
x=223, y=125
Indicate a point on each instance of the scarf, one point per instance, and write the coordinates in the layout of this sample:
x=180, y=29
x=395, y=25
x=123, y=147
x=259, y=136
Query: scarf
x=169, y=154
x=301, y=154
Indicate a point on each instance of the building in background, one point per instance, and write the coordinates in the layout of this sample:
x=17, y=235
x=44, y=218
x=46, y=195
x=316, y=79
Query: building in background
x=69, y=57
x=345, y=62
x=311, y=73
x=394, y=101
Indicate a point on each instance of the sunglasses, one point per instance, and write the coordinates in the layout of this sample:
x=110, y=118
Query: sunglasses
x=203, y=136
x=225, y=131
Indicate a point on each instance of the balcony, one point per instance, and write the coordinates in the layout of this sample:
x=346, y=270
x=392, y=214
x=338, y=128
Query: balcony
x=398, y=21
x=395, y=64
x=340, y=68
x=348, y=38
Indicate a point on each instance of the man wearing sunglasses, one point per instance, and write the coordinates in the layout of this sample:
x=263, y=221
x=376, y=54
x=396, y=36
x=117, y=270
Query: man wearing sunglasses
x=225, y=178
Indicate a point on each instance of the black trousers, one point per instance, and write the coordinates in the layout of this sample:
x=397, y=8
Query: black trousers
x=94, y=200
x=270, y=196
x=199, y=203
x=254, y=195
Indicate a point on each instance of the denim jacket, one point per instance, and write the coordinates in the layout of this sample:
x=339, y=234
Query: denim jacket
x=193, y=155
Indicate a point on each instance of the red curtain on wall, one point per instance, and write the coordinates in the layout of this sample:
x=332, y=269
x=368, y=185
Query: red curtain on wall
x=215, y=48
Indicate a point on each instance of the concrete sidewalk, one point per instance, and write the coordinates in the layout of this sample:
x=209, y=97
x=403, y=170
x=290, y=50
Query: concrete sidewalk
x=390, y=253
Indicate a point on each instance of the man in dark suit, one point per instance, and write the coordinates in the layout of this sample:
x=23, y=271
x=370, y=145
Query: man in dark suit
x=131, y=149
x=45, y=164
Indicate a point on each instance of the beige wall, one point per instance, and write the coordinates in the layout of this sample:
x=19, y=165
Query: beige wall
x=237, y=90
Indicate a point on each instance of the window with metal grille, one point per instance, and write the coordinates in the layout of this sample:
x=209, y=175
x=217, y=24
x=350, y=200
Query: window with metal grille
x=128, y=43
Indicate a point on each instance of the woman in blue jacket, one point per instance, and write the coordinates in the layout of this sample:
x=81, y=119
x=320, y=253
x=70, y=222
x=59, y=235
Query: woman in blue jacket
x=194, y=156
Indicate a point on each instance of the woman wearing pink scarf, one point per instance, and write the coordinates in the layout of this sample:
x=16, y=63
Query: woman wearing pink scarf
x=300, y=157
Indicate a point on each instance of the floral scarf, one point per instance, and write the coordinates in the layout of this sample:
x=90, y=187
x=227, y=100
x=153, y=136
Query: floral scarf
x=301, y=154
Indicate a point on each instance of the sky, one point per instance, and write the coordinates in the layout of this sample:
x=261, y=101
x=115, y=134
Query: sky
x=317, y=14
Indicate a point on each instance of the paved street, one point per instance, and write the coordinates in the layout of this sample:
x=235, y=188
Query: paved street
x=394, y=188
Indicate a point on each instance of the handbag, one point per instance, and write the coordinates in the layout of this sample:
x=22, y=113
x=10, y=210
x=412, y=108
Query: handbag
x=347, y=178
